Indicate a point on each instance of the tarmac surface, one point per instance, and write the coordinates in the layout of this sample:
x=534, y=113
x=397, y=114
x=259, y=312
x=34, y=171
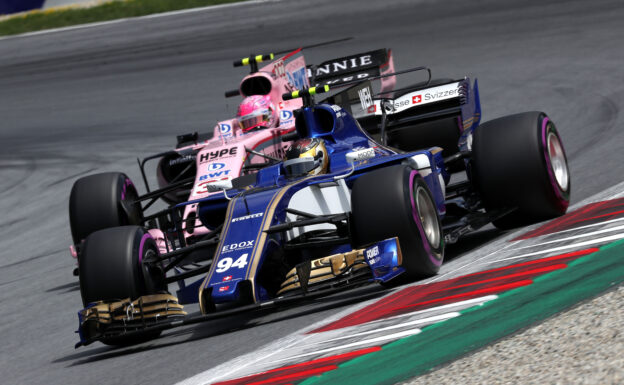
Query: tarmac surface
x=92, y=99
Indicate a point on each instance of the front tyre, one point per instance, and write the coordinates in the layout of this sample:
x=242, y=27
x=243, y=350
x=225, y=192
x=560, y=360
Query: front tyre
x=396, y=202
x=101, y=201
x=119, y=263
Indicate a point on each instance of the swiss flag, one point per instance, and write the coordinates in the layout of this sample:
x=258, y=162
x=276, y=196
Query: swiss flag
x=227, y=278
x=223, y=288
x=416, y=99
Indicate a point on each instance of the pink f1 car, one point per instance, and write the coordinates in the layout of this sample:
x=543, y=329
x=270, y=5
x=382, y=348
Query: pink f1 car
x=255, y=138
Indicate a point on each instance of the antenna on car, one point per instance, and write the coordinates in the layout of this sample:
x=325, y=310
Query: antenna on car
x=252, y=61
x=306, y=94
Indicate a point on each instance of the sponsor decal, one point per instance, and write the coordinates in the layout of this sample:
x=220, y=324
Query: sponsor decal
x=434, y=94
x=285, y=115
x=215, y=166
x=297, y=78
x=338, y=110
x=400, y=103
x=222, y=153
x=238, y=219
x=237, y=246
x=366, y=99
x=226, y=278
x=345, y=79
x=278, y=69
x=443, y=94
x=227, y=263
x=371, y=255
x=211, y=175
x=224, y=288
x=182, y=159
x=209, y=178
x=343, y=65
x=372, y=109
x=225, y=129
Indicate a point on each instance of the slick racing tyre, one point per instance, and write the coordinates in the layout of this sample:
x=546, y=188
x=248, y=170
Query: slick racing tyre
x=101, y=201
x=519, y=162
x=396, y=202
x=118, y=263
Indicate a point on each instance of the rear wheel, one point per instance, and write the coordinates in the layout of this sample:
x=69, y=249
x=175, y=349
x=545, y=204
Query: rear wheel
x=519, y=162
x=101, y=201
x=118, y=263
x=396, y=202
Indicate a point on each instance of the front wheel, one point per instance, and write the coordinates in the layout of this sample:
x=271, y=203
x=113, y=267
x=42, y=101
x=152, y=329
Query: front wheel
x=119, y=263
x=396, y=202
x=519, y=162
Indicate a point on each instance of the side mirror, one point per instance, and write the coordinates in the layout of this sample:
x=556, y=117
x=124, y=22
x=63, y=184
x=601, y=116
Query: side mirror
x=219, y=185
x=355, y=156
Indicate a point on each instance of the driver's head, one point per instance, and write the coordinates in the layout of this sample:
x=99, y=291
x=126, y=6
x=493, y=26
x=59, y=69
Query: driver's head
x=256, y=111
x=307, y=156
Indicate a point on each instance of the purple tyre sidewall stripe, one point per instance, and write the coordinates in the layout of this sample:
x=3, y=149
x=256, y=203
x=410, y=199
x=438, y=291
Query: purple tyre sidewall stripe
x=144, y=239
x=127, y=182
x=423, y=236
x=551, y=176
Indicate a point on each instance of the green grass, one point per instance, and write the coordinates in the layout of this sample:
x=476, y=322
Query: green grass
x=40, y=20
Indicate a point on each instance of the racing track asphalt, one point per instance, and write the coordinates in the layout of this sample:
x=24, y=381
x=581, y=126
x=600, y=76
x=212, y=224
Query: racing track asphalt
x=92, y=99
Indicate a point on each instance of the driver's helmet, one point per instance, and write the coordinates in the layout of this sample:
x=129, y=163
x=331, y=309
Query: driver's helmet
x=306, y=156
x=256, y=111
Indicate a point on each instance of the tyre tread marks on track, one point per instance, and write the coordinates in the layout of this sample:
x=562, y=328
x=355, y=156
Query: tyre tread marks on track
x=589, y=214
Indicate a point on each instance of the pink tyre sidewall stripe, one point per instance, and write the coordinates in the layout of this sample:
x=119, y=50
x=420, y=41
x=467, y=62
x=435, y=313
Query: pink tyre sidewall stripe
x=423, y=236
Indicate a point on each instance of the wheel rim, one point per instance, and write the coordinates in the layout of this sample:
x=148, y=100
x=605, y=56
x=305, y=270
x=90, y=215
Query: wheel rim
x=557, y=161
x=428, y=217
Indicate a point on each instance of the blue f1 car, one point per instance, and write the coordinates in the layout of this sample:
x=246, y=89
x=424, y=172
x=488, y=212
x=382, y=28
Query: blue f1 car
x=341, y=209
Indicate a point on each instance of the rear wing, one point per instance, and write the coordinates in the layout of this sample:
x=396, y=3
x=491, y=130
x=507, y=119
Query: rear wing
x=351, y=68
x=453, y=91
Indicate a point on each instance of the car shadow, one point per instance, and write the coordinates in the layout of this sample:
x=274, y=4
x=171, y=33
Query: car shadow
x=226, y=325
x=66, y=288
x=472, y=241
x=256, y=318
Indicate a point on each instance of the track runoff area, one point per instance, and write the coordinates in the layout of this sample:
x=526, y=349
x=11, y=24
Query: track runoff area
x=476, y=299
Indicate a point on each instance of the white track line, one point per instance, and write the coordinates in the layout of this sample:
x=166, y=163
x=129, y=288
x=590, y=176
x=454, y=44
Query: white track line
x=395, y=336
x=463, y=304
x=201, y=378
x=151, y=16
x=586, y=226
x=609, y=195
x=557, y=249
x=422, y=321
x=443, y=276
x=609, y=230
x=208, y=376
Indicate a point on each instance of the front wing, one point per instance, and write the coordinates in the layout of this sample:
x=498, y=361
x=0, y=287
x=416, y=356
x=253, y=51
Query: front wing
x=310, y=280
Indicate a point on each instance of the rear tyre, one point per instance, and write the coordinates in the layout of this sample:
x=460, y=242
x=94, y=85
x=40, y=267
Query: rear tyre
x=115, y=265
x=101, y=201
x=396, y=202
x=519, y=161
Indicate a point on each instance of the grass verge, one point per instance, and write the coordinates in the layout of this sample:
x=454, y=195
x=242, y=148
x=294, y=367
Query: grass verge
x=68, y=16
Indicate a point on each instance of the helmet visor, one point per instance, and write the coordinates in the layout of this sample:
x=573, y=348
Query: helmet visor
x=255, y=119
